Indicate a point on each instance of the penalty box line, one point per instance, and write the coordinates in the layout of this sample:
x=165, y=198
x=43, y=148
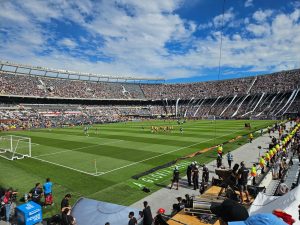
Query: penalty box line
x=74, y=149
x=67, y=167
x=131, y=164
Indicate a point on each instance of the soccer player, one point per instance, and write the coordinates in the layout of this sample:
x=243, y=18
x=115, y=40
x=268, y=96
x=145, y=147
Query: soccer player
x=175, y=177
x=181, y=130
x=86, y=131
x=48, y=192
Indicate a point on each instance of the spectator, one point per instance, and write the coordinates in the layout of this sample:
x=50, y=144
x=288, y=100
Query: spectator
x=147, y=219
x=229, y=210
x=7, y=201
x=65, y=202
x=159, y=219
x=140, y=219
x=242, y=181
x=132, y=219
x=36, y=193
x=66, y=218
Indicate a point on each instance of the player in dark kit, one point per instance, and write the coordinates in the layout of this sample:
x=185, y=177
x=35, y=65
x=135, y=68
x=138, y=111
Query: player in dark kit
x=205, y=174
x=189, y=173
x=175, y=177
x=195, y=176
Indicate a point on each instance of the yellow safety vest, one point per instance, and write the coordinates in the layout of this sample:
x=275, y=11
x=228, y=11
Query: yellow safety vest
x=220, y=150
x=267, y=156
x=261, y=162
x=253, y=171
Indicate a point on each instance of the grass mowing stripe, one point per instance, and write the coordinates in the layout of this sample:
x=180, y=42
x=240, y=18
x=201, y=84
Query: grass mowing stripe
x=75, y=149
x=166, y=153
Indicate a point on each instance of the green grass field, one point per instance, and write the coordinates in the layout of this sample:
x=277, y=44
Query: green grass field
x=120, y=151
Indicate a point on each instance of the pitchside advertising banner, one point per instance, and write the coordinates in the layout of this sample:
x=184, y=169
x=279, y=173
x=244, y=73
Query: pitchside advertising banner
x=159, y=175
x=29, y=213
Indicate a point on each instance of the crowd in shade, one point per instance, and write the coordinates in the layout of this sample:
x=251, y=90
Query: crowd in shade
x=39, y=86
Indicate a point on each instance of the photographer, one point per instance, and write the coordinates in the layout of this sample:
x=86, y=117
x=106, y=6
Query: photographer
x=7, y=202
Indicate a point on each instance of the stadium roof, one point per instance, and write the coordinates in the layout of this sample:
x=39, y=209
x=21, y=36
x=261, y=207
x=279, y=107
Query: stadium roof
x=16, y=68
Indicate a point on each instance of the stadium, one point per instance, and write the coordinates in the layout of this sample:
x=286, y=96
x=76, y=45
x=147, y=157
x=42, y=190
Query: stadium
x=110, y=143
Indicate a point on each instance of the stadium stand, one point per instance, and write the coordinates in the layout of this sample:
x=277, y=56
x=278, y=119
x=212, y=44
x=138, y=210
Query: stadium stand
x=266, y=96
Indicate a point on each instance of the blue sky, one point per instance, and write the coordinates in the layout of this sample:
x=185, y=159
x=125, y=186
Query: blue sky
x=174, y=39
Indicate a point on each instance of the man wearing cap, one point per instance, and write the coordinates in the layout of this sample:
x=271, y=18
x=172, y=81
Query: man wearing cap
x=159, y=220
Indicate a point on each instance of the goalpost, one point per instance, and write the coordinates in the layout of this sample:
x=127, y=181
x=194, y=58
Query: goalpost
x=15, y=147
x=208, y=117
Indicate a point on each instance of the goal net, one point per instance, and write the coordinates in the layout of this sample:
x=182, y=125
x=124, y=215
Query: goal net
x=208, y=117
x=15, y=147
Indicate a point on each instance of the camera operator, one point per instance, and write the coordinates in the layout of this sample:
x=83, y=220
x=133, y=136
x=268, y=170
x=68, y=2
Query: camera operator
x=7, y=200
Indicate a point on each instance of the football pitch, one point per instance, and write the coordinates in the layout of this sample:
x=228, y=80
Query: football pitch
x=100, y=165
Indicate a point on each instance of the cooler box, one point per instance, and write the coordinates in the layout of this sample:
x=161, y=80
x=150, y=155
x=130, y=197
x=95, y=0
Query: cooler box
x=29, y=213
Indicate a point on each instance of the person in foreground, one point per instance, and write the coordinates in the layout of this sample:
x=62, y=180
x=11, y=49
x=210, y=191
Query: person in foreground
x=260, y=219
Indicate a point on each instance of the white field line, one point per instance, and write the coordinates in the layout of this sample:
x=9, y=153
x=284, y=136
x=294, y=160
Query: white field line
x=57, y=164
x=35, y=144
x=131, y=164
x=69, y=150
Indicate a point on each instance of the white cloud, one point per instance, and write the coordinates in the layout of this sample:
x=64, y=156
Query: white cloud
x=67, y=42
x=261, y=16
x=259, y=30
x=248, y=3
x=227, y=17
